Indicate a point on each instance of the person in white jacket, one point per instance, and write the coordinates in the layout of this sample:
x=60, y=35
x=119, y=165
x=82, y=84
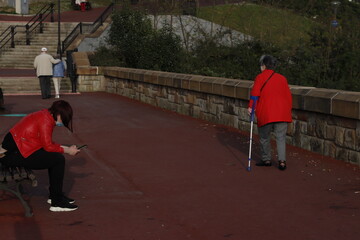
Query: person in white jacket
x=43, y=64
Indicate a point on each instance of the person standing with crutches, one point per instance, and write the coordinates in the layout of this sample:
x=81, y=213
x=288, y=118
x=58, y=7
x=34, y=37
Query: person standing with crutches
x=272, y=110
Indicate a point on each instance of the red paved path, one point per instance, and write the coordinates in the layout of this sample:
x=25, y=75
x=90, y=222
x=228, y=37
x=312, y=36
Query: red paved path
x=149, y=174
x=68, y=16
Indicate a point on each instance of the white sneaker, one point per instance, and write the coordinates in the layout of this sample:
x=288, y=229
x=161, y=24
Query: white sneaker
x=62, y=206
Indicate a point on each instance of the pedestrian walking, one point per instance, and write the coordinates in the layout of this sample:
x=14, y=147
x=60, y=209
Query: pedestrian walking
x=272, y=109
x=43, y=64
x=58, y=74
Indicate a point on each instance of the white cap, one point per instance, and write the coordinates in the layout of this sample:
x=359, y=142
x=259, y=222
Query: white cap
x=44, y=49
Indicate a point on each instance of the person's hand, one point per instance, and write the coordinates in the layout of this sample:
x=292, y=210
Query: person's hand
x=72, y=150
x=249, y=111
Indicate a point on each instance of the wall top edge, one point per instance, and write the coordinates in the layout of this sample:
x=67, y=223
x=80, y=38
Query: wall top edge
x=302, y=93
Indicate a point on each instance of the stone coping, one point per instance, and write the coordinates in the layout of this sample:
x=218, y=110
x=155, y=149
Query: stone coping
x=326, y=101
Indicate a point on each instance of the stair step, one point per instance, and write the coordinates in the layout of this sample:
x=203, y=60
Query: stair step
x=11, y=85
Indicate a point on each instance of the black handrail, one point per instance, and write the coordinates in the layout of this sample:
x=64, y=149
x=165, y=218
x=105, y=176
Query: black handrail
x=90, y=27
x=9, y=35
x=40, y=11
x=37, y=20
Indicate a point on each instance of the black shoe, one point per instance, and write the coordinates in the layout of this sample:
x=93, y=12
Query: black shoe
x=65, y=198
x=263, y=164
x=282, y=165
x=62, y=206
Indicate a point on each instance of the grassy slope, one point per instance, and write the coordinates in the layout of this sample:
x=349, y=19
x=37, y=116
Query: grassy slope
x=278, y=26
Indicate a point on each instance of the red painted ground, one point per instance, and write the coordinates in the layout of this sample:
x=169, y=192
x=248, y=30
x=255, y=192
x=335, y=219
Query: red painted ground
x=150, y=174
x=68, y=16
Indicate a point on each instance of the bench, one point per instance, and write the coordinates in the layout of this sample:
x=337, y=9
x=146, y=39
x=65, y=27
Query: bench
x=11, y=180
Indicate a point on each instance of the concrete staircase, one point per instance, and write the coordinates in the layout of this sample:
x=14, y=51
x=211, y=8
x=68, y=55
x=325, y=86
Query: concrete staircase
x=22, y=56
x=29, y=85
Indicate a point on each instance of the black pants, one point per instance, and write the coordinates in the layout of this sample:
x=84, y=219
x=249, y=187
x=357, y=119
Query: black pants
x=45, y=85
x=41, y=159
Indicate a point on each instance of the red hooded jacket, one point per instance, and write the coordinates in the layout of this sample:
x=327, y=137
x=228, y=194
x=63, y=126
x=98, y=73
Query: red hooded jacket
x=34, y=132
x=275, y=100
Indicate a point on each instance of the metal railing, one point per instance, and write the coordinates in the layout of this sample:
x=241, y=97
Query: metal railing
x=8, y=36
x=87, y=28
x=35, y=23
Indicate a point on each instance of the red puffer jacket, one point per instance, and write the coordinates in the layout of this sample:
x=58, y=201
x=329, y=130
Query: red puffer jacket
x=34, y=132
x=275, y=100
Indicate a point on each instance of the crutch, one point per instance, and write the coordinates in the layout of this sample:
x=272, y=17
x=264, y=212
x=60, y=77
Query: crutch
x=251, y=128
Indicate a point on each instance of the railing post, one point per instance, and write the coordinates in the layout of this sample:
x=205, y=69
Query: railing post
x=80, y=27
x=12, y=36
x=41, y=22
x=52, y=12
x=27, y=34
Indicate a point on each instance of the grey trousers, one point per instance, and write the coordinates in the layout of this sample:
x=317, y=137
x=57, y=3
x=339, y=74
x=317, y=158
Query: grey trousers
x=279, y=129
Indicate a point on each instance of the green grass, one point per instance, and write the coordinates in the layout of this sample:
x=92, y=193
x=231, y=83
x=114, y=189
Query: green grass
x=280, y=27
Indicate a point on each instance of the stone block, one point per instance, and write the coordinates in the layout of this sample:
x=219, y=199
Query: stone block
x=342, y=154
x=357, y=131
x=339, y=139
x=81, y=59
x=178, y=79
x=349, y=138
x=243, y=89
x=163, y=77
x=330, y=132
x=206, y=85
x=297, y=96
x=229, y=106
x=228, y=120
x=202, y=104
x=319, y=100
x=138, y=75
x=218, y=86
x=303, y=127
x=150, y=77
x=87, y=70
x=329, y=149
x=243, y=114
x=320, y=127
x=305, y=142
x=195, y=111
x=229, y=88
x=354, y=157
x=346, y=104
x=190, y=99
x=194, y=83
x=317, y=145
x=290, y=129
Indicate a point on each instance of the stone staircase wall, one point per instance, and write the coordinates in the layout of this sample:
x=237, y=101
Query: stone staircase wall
x=22, y=56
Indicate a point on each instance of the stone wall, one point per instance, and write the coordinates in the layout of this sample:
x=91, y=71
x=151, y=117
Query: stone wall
x=325, y=121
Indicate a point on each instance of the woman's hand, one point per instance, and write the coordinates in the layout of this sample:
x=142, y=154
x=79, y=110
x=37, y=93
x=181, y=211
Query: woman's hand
x=72, y=150
x=249, y=111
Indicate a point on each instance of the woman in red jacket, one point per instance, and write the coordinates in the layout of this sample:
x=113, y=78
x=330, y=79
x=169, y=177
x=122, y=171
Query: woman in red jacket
x=273, y=110
x=29, y=144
